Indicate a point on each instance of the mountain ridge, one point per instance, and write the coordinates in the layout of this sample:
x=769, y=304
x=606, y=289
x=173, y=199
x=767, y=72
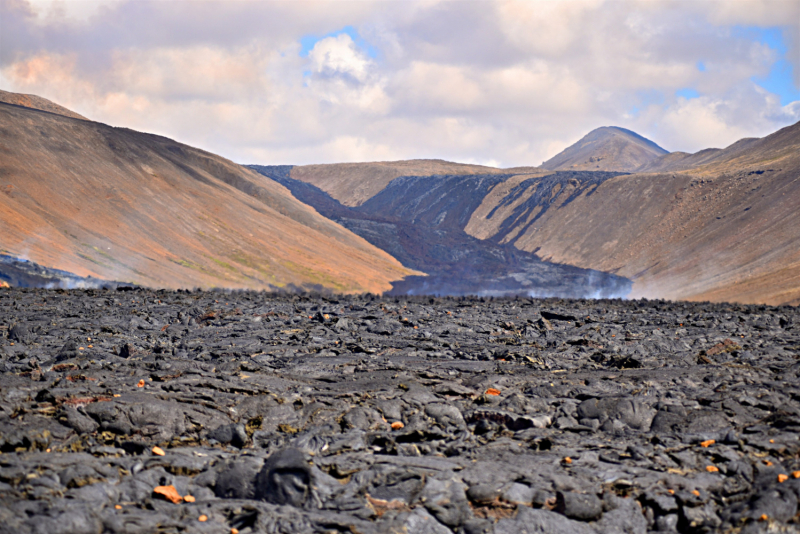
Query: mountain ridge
x=724, y=229
x=420, y=220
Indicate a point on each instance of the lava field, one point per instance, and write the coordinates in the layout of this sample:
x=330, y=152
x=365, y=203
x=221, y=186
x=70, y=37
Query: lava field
x=141, y=411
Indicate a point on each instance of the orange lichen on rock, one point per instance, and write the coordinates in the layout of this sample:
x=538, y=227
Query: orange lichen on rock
x=381, y=506
x=782, y=478
x=707, y=443
x=203, y=518
x=168, y=493
x=140, y=384
x=158, y=451
x=189, y=498
x=712, y=469
x=397, y=425
x=492, y=391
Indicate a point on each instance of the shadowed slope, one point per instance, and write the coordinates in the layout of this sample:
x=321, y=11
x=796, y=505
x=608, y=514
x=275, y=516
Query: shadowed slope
x=122, y=205
x=606, y=149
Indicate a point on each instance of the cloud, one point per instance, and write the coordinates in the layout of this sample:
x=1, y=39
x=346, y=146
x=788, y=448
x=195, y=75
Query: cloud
x=338, y=57
x=689, y=123
x=510, y=81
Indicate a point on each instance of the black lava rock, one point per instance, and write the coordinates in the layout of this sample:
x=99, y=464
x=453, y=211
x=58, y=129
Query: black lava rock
x=285, y=479
x=307, y=413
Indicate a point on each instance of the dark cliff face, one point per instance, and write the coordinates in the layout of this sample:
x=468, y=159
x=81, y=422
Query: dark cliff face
x=421, y=220
x=532, y=198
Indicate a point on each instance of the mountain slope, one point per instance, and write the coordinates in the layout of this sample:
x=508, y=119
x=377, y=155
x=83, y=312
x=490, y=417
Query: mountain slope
x=681, y=161
x=777, y=150
x=723, y=229
x=720, y=224
x=37, y=102
x=122, y=205
x=352, y=184
x=608, y=148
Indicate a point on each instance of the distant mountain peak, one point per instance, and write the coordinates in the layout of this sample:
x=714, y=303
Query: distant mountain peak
x=608, y=148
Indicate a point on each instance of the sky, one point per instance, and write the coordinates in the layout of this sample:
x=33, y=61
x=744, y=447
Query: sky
x=496, y=82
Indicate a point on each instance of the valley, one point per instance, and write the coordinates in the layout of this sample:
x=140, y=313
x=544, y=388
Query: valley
x=720, y=225
x=421, y=222
x=614, y=215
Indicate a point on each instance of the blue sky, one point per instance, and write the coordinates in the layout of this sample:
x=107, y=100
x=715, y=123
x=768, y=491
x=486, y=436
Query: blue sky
x=307, y=42
x=780, y=79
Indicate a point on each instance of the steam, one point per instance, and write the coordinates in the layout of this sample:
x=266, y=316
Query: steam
x=20, y=272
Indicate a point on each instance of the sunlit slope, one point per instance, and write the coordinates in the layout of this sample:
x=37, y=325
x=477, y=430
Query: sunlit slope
x=118, y=204
x=608, y=148
x=352, y=184
x=37, y=102
x=726, y=229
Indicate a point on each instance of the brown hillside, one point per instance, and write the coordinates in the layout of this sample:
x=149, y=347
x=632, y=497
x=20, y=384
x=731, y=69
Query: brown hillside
x=37, y=102
x=681, y=161
x=352, y=184
x=122, y=205
x=608, y=148
x=725, y=230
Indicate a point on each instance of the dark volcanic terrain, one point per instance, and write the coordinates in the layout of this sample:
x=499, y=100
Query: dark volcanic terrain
x=127, y=411
x=421, y=221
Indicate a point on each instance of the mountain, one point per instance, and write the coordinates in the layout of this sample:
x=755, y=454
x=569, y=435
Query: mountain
x=607, y=149
x=717, y=225
x=721, y=226
x=681, y=161
x=117, y=204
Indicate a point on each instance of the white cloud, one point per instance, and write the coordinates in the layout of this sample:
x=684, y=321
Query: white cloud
x=338, y=56
x=342, y=75
x=74, y=11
